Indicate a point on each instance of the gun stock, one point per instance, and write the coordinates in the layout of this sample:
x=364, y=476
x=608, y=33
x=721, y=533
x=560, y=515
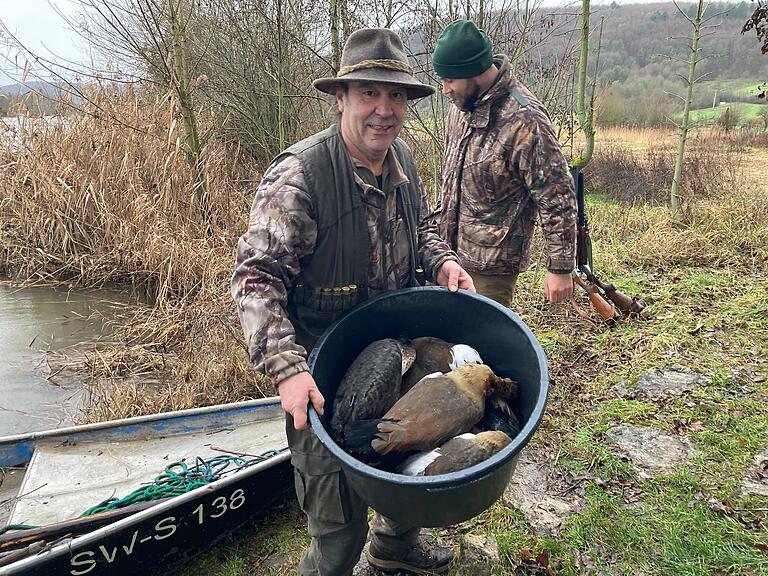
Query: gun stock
x=606, y=309
x=628, y=306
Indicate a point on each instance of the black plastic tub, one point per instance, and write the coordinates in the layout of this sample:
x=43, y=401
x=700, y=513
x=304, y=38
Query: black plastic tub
x=504, y=342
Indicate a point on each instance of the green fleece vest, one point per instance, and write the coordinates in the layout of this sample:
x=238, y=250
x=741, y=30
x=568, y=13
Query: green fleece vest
x=335, y=276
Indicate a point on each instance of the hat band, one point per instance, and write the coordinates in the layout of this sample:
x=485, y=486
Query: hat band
x=368, y=64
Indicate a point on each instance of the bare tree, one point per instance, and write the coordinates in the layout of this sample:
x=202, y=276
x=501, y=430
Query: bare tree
x=698, y=23
x=259, y=59
x=150, y=38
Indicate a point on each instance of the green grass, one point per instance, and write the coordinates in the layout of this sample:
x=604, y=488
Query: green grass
x=671, y=532
x=740, y=87
x=745, y=112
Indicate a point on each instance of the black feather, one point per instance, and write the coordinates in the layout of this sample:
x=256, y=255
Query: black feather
x=358, y=436
x=499, y=415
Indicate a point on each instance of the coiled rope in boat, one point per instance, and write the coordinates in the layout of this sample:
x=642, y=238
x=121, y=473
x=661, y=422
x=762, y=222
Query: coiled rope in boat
x=177, y=478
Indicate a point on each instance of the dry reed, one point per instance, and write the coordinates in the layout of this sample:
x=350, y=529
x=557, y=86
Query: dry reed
x=111, y=200
x=725, y=201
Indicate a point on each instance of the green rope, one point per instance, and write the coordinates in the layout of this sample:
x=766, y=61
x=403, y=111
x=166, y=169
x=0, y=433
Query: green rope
x=176, y=479
x=17, y=527
x=179, y=479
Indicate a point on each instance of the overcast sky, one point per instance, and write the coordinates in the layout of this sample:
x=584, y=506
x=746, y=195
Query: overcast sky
x=37, y=25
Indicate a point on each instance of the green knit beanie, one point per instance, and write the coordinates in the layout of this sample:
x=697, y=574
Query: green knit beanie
x=462, y=51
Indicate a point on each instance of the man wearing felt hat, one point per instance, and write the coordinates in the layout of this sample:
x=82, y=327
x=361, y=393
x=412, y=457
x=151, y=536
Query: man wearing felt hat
x=339, y=217
x=502, y=165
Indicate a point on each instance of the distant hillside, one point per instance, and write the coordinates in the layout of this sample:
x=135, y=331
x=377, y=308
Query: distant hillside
x=39, y=87
x=34, y=97
x=640, y=35
x=644, y=58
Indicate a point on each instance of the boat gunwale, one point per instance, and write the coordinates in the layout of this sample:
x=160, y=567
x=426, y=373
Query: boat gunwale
x=148, y=418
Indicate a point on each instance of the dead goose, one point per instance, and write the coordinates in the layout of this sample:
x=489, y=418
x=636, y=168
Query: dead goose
x=436, y=355
x=433, y=411
x=458, y=453
x=371, y=385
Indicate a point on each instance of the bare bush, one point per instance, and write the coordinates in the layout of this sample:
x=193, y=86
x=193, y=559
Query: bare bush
x=711, y=168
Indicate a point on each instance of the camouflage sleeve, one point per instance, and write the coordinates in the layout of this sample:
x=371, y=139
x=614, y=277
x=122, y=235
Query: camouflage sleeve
x=433, y=250
x=281, y=230
x=542, y=165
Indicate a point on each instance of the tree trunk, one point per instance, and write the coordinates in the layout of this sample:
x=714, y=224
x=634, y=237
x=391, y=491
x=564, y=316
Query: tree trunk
x=674, y=193
x=183, y=88
x=585, y=115
x=333, y=14
x=281, y=75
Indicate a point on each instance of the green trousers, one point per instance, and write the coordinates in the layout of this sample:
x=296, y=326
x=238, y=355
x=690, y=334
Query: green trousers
x=337, y=518
x=496, y=287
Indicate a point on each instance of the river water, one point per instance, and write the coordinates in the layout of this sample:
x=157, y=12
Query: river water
x=36, y=394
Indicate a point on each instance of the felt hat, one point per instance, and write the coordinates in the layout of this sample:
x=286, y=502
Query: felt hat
x=375, y=55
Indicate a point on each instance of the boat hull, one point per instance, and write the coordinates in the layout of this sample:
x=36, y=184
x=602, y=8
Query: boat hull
x=174, y=530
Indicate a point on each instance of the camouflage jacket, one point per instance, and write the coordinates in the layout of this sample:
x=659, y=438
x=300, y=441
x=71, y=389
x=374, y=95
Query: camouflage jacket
x=503, y=163
x=282, y=230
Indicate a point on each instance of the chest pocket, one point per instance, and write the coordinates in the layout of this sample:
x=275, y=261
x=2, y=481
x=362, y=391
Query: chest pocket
x=483, y=179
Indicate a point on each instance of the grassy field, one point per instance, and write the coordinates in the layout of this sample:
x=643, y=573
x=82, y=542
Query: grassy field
x=101, y=204
x=744, y=111
x=741, y=87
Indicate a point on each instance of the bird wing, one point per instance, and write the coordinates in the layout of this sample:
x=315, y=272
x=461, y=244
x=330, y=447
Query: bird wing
x=370, y=386
x=429, y=414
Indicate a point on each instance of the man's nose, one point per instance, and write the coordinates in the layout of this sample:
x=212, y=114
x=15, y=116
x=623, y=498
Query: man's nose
x=384, y=106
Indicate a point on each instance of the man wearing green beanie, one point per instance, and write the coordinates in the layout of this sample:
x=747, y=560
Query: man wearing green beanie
x=502, y=165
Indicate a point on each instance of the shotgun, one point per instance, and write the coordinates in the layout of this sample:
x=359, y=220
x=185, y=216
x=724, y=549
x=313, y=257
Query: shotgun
x=602, y=295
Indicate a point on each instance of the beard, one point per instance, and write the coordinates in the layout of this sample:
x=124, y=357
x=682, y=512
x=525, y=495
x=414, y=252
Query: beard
x=467, y=102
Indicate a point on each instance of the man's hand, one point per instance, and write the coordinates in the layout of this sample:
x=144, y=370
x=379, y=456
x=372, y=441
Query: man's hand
x=296, y=392
x=558, y=287
x=454, y=276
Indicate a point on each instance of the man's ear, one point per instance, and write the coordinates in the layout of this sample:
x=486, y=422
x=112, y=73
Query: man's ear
x=340, y=99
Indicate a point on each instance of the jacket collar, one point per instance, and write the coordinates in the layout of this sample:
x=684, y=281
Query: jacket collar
x=393, y=173
x=479, y=117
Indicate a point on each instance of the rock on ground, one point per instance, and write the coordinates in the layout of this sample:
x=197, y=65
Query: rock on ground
x=657, y=384
x=530, y=491
x=651, y=451
x=756, y=480
x=478, y=554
